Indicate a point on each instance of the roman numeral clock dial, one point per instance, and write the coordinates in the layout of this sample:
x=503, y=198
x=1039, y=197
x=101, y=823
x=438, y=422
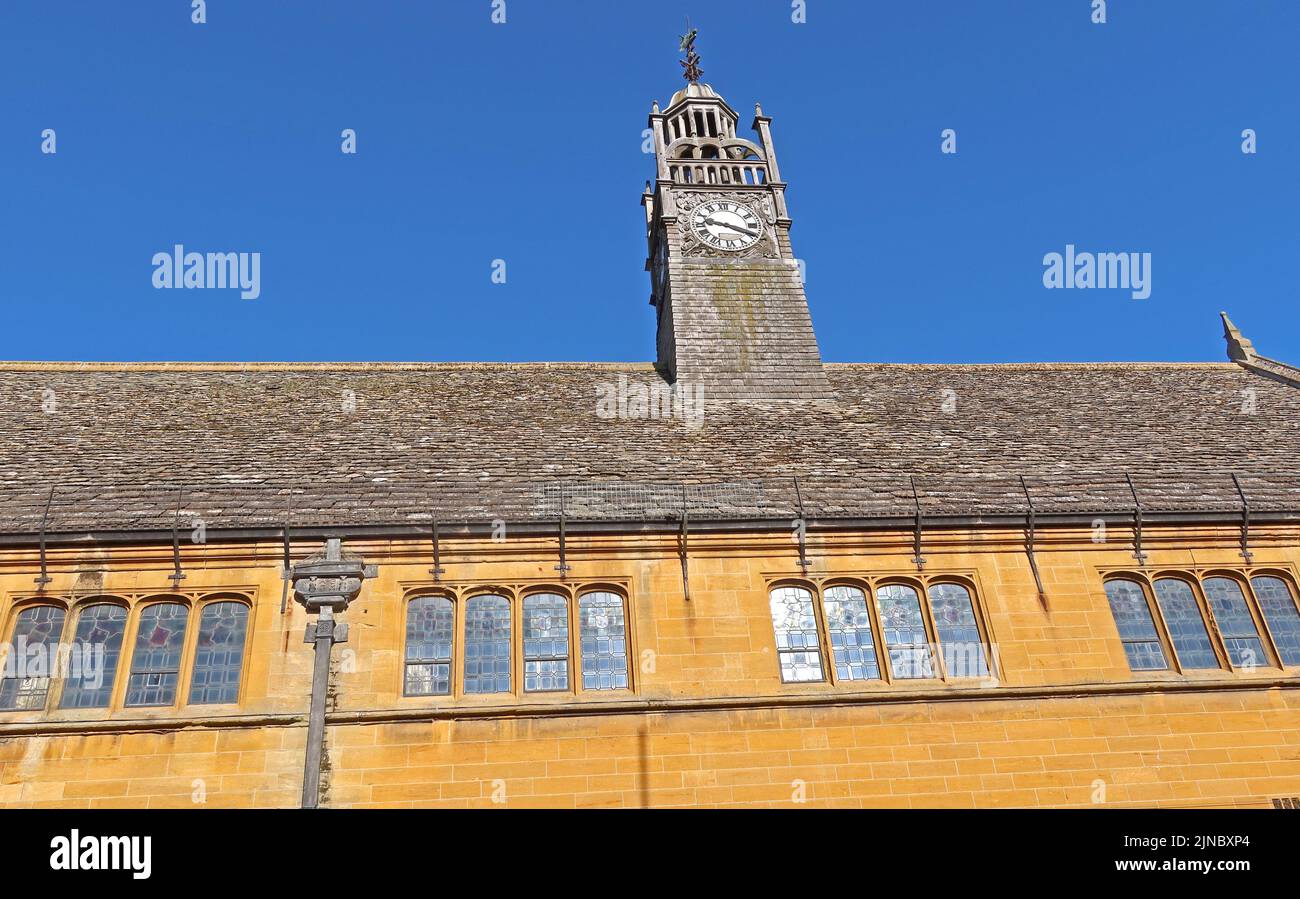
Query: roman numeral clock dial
x=726, y=225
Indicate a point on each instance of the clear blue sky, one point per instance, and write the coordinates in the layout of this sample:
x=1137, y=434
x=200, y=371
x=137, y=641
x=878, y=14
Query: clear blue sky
x=522, y=141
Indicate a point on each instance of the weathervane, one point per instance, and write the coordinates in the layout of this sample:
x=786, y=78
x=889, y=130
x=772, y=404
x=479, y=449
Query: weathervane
x=691, y=63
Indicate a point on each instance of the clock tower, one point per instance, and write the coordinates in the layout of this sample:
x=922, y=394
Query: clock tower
x=725, y=283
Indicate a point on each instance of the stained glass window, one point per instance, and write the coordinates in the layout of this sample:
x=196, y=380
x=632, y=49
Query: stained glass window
x=1240, y=637
x=959, y=632
x=32, y=656
x=98, y=641
x=156, y=659
x=487, y=645
x=1279, y=608
x=546, y=643
x=795, y=622
x=219, y=653
x=1137, y=629
x=429, y=635
x=906, y=641
x=603, y=632
x=849, y=626
x=1186, y=626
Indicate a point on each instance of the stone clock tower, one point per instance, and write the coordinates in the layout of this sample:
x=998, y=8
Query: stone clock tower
x=726, y=286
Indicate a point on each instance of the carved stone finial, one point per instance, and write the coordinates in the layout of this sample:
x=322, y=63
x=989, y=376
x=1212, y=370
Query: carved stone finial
x=1239, y=348
x=331, y=577
x=691, y=63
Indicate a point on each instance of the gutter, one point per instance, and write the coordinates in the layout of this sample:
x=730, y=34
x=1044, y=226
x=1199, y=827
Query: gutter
x=479, y=528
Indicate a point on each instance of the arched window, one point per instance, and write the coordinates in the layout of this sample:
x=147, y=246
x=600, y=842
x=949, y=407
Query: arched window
x=33, y=648
x=156, y=659
x=487, y=645
x=959, y=632
x=1232, y=615
x=849, y=625
x=797, y=646
x=1137, y=629
x=100, y=628
x=429, y=636
x=546, y=643
x=602, y=629
x=906, y=641
x=1186, y=626
x=219, y=653
x=1279, y=608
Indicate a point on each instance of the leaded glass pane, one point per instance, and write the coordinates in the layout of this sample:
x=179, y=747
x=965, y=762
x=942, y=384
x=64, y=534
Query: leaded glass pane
x=1137, y=630
x=848, y=625
x=546, y=643
x=1279, y=609
x=959, y=632
x=33, y=651
x=219, y=653
x=603, y=632
x=1186, y=626
x=1240, y=637
x=156, y=659
x=429, y=635
x=795, y=622
x=487, y=645
x=906, y=641
x=100, y=629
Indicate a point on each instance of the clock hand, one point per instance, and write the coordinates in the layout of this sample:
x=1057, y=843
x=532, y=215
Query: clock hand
x=730, y=227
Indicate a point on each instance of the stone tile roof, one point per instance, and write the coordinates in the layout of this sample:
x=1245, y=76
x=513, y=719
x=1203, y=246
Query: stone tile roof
x=483, y=441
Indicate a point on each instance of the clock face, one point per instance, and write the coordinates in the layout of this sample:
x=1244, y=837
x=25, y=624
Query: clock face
x=726, y=225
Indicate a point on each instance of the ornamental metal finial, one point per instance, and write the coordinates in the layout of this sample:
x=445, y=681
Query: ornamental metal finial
x=691, y=63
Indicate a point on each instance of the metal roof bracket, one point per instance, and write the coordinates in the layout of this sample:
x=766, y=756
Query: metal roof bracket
x=1137, y=522
x=437, y=570
x=801, y=526
x=44, y=577
x=1245, y=522
x=177, y=575
x=288, y=565
x=563, y=567
x=682, y=547
x=917, y=558
x=1029, y=541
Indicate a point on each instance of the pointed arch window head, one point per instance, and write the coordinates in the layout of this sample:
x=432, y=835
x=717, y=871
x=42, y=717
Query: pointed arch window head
x=219, y=653
x=958, y=631
x=100, y=630
x=546, y=643
x=156, y=659
x=1278, y=606
x=430, y=624
x=487, y=645
x=1137, y=629
x=33, y=651
x=795, y=622
x=1186, y=625
x=906, y=641
x=602, y=629
x=1232, y=615
x=848, y=623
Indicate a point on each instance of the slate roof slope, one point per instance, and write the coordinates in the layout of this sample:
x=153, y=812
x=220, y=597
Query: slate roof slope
x=478, y=441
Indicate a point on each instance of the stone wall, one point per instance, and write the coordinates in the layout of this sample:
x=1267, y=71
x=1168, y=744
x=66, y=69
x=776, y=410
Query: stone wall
x=707, y=720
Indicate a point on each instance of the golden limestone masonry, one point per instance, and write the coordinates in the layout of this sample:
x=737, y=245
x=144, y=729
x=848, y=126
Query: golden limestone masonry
x=793, y=584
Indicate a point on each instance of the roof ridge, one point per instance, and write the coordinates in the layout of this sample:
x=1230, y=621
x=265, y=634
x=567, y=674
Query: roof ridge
x=62, y=365
x=1031, y=365
x=38, y=365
